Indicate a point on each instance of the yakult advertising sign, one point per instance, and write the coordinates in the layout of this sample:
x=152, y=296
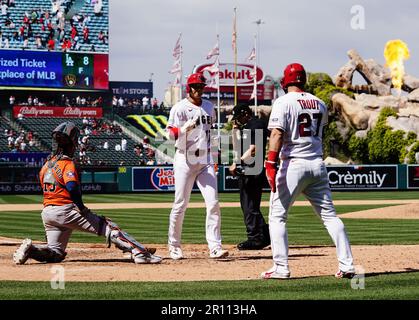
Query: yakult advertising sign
x=244, y=73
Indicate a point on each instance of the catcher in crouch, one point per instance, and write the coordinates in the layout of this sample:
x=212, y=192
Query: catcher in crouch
x=64, y=210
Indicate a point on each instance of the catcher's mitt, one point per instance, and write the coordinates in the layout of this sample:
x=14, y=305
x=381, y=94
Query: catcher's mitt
x=151, y=250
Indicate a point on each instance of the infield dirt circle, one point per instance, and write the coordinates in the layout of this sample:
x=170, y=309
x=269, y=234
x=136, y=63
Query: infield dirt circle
x=95, y=262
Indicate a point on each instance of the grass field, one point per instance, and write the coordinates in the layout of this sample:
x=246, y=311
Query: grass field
x=150, y=226
x=196, y=197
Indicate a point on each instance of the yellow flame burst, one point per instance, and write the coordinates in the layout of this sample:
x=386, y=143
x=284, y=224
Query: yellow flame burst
x=395, y=52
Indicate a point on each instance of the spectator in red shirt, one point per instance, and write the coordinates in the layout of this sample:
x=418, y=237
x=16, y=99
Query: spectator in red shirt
x=102, y=37
x=86, y=34
x=25, y=19
x=51, y=44
x=22, y=32
x=66, y=45
x=73, y=32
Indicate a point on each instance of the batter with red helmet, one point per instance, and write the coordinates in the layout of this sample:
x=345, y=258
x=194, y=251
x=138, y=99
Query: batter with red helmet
x=189, y=125
x=296, y=123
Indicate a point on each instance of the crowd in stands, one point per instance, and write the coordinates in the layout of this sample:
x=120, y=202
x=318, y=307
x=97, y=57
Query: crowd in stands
x=145, y=152
x=65, y=101
x=48, y=28
x=126, y=106
x=19, y=141
x=100, y=127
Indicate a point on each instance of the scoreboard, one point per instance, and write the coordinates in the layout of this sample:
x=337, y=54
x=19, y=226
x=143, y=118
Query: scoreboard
x=71, y=70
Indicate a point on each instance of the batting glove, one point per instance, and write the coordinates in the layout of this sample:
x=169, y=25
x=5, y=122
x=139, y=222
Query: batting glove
x=188, y=126
x=271, y=169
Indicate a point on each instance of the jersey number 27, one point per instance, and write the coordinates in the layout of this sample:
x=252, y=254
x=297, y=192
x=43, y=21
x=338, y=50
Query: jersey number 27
x=305, y=121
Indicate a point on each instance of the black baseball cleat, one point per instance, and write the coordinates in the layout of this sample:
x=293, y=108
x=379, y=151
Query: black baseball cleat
x=252, y=245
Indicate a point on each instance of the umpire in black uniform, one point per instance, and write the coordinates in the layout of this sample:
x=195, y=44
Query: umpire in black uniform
x=249, y=144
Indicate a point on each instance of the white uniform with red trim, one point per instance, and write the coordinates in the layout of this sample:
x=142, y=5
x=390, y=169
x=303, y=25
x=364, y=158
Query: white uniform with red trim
x=193, y=163
x=301, y=116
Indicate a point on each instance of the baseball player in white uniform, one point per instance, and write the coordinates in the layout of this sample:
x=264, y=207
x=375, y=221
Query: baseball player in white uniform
x=189, y=124
x=296, y=123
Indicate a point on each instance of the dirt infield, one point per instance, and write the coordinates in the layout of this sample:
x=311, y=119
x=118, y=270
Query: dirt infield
x=168, y=205
x=95, y=262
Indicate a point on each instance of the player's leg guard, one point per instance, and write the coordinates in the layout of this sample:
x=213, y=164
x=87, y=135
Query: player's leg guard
x=126, y=243
x=39, y=253
x=121, y=239
x=45, y=254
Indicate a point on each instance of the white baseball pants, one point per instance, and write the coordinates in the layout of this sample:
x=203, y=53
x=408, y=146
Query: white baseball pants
x=307, y=176
x=185, y=176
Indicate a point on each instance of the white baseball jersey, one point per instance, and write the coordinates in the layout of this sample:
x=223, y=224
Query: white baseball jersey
x=198, y=138
x=302, y=117
x=190, y=168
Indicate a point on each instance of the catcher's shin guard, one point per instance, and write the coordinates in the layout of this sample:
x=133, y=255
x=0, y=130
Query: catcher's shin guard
x=45, y=254
x=121, y=239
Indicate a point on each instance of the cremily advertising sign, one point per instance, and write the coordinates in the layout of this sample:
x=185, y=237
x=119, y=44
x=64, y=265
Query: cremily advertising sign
x=363, y=177
x=346, y=178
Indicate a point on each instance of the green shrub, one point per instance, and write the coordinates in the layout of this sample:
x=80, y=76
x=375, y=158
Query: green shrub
x=385, y=145
x=358, y=149
x=321, y=85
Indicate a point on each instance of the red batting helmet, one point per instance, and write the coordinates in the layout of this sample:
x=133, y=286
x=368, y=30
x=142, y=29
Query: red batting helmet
x=196, y=78
x=294, y=74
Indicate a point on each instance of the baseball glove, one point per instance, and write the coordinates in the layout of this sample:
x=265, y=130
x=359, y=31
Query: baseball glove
x=151, y=250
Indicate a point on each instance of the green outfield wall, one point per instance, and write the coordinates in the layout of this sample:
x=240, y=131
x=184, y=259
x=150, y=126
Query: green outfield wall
x=25, y=180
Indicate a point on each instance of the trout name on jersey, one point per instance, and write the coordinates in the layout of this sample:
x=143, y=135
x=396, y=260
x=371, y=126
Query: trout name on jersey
x=309, y=104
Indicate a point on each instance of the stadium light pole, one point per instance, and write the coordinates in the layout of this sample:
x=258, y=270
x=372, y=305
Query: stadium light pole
x=151, y=77
x=258, y=23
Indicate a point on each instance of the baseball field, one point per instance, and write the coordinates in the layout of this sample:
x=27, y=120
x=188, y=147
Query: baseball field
x=383, y=228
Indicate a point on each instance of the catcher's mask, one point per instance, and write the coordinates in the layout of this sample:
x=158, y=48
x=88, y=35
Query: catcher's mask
x=65, y=137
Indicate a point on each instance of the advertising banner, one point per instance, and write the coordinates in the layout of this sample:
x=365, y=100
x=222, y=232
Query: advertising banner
x=154, y=179
x=28, y=157
x=25, y=68
x=363, y=177
x=57, y=112
x=244, y=73
x=31, y=188
x=368, y=177
x=413, y=176
x=131, y=90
